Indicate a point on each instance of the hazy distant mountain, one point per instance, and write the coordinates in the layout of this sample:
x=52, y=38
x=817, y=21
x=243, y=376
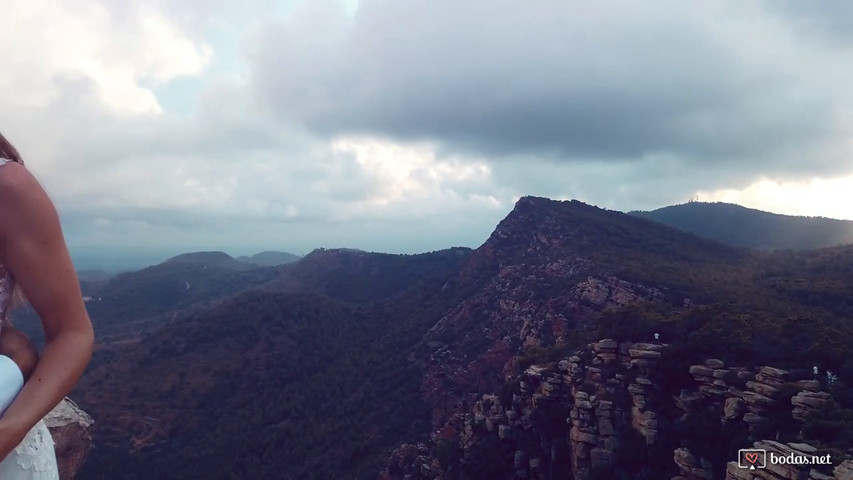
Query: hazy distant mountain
x=93, y=275
x=270, y=258
x=218, y=259
x=747, y=227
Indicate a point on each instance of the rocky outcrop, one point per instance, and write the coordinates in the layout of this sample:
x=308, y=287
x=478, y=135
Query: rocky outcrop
x=753, y=396
x=806, y=402
x=601, y=397
x=611, y=292
x=691, y=467
x=595, y=394
x=71, y=429
x=412, y=461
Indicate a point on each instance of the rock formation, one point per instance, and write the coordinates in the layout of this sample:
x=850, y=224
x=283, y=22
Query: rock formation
x=595, y=394
x=606, y=390
x=71, y=429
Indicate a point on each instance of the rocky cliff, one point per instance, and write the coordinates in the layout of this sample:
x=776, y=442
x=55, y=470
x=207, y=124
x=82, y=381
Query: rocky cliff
x=71, y=429
x=602, y=413
x=517, y=391
x=566, y=419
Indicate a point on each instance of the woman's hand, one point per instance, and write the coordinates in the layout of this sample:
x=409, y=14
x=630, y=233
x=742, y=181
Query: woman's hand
x=17, y=346
x=9, y=439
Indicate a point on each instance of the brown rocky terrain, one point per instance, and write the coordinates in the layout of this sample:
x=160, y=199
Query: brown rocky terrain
x=593, y=402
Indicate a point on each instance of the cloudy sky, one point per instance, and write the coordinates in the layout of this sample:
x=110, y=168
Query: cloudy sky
x=164, y=126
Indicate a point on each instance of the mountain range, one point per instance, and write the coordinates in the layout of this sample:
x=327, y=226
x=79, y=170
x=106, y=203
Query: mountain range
x=747, y=227
x=345, y=364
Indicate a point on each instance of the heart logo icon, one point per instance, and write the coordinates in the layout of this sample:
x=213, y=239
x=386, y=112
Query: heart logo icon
x=751, y=457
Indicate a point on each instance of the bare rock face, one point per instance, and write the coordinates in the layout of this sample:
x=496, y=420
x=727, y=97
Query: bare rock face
x=733, y=408
x=806, y=402
x=71, y=429
x=844, y=471
x=691, y=467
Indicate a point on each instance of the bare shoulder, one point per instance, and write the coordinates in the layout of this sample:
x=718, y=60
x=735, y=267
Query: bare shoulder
x=16, y=179
x=21, y=195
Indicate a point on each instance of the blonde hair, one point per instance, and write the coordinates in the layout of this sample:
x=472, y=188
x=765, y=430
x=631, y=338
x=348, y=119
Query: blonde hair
x=7, y=150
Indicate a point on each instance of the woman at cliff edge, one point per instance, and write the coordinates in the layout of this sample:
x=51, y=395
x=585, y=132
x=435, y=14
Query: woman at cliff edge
x=35, y=264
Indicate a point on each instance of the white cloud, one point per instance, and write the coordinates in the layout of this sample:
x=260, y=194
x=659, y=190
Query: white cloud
x=78, y=96
x=122, y=49
x=815, y=197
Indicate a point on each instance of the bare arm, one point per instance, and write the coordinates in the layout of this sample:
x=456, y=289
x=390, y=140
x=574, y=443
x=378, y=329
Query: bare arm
x=33, y=250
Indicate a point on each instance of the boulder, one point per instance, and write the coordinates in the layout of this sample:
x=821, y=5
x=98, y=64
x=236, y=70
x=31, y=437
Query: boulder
x=753, y=418
x=606, y=345
x=714, y=363
x=763, y=389
x=844, y=471
x=644, y=354
x=71, y=429
x=688, y=401
x=803, y=447
x=774, y=372
x=578, y=436
x=758, y=399
x=701, y=371
x=733, y=472
x=809, y=400
x=775, y=381
x=810, y=385
x=733, y=408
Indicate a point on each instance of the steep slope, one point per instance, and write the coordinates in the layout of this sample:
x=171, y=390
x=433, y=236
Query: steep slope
x=312, y=384
x=747, y=227
x=546, y=270
x=558, y=275
x=349, y=353
x=130, y=305
x=358, y=276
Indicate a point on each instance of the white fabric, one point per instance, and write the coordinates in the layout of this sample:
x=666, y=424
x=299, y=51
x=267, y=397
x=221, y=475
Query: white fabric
x=34, y=458
x=11, y=382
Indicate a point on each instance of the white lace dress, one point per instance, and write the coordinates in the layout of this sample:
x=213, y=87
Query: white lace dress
x=34, y=458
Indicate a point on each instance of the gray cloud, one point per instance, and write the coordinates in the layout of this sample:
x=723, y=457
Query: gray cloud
x=412, y=126
x=721, y=83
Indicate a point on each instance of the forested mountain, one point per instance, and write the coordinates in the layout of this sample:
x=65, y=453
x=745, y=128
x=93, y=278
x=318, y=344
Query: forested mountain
x=270, y=258
x=318, y=369
x=747, y=227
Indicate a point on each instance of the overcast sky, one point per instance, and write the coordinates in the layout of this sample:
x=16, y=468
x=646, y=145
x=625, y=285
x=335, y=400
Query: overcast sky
x=165, y=126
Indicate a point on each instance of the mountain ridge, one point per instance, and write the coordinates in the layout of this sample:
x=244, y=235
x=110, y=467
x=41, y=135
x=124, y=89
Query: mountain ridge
x=411, y=339
x=751, y=228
